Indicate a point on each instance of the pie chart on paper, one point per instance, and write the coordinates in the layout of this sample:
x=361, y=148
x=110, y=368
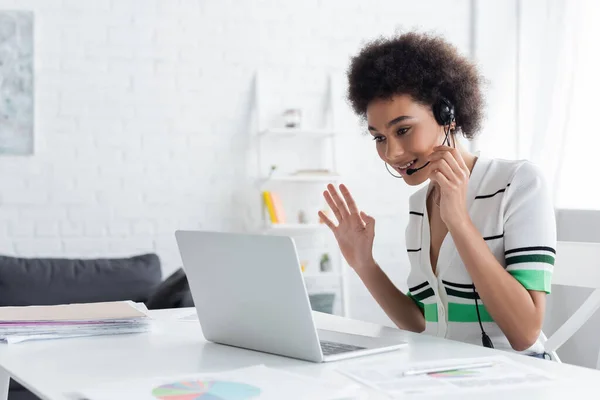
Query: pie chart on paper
x=206, y=390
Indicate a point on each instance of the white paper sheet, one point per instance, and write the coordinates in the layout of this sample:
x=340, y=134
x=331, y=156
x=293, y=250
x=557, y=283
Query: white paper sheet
x=257, y=382
x=192, y=317
x=387, y=376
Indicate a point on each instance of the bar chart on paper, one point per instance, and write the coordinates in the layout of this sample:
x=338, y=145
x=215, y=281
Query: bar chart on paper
x=205, y=390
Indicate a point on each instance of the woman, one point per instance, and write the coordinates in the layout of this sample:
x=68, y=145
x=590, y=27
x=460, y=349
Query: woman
x=481, y=235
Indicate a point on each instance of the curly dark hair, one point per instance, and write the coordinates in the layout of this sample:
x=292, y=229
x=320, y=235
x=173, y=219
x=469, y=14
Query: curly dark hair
x=424, y=66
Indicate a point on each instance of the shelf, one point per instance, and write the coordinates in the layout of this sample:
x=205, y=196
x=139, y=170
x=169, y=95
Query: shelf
x=319, y=275
x=303, y=178
x=301, y=132
x=294, y=228
x=298, y=174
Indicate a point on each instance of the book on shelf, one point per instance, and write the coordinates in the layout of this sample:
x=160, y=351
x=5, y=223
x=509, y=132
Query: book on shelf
x=274, y=207
x=278, y=206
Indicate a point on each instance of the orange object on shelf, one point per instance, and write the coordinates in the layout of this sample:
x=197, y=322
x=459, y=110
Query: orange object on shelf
x=278, y=207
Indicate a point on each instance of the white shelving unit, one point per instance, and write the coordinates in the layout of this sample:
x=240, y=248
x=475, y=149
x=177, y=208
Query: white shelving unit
x=312, y=133
x=293, y=228
x=301, y=180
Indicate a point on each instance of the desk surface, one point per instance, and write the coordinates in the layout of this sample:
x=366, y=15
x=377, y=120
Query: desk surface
x=50, y=368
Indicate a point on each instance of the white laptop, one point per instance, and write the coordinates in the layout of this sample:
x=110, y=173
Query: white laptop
x=249, y=292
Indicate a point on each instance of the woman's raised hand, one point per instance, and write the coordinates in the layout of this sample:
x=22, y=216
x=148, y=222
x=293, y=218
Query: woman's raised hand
x=355, y=230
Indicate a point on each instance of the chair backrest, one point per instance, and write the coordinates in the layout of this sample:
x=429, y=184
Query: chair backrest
x=577, y=264
x=578, y=225
x=578, y=248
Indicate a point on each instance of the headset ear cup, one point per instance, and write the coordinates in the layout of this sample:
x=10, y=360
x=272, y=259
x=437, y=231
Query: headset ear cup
x=439, y=113
x=443, y=111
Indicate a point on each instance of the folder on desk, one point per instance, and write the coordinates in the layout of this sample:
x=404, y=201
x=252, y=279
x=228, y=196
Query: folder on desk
x=18, y=324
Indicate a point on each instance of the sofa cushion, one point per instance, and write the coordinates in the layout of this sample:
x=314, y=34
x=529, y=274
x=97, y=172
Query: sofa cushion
x=173, y=292
x=21, y=394
x=49, y=281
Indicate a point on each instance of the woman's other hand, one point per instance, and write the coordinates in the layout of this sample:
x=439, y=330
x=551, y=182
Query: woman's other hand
x=355, y=230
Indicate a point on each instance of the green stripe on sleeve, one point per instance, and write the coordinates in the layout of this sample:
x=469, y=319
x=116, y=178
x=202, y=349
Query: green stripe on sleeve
x=533, y=279
x=417, y=302
x=527, y=258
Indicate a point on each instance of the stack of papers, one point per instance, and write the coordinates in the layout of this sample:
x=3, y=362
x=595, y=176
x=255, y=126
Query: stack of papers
x=257, y=382
x=19, y=324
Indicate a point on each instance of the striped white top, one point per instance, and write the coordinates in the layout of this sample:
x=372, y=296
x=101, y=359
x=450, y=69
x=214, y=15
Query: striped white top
x=509, y=203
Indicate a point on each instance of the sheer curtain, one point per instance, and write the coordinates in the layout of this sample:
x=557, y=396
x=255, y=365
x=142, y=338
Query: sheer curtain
x=539, y=72
x=549, y=62
x=558, y=86
x=577, y=175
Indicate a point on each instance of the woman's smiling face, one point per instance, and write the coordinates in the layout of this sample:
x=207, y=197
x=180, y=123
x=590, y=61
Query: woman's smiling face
x=405, y=133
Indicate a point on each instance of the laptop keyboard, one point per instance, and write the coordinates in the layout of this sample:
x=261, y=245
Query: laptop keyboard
x=331, y=348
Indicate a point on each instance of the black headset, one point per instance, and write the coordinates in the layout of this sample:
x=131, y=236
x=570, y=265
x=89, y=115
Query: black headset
x=485, y=339
x=443, y=111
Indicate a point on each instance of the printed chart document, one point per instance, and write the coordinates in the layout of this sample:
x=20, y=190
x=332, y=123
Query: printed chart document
x=445, y=377
x=257, y=382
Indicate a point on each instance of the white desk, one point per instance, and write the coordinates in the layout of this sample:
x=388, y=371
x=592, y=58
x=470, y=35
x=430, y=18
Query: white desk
x=50, y=368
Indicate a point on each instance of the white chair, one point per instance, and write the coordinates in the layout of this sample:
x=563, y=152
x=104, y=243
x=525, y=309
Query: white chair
x=577, y=264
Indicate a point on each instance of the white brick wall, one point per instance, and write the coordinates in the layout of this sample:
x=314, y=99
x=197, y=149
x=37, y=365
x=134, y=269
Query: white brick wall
x=142, y=118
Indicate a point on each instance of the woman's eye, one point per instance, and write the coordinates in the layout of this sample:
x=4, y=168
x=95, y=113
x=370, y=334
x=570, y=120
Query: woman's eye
x=402, y=131
x=378, y=139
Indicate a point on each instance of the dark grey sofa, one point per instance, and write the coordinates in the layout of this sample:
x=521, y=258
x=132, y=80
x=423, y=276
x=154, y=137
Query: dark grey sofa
x=49, y=281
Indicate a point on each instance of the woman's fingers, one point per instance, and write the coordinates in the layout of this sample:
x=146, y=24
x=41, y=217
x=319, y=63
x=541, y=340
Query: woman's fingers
x=327, y=221
x=459, y=158
x=439, y=177
x=442, y=167
x=332, y=205
x=343, y=208
x=449, y=158
x=338, y=201
x=455, y=154
x=350, y=201
x=354, y=213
